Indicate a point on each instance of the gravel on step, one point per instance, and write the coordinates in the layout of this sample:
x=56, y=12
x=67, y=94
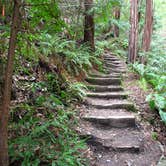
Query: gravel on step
x=118, y=118
x=107, y=95
x=126, y=139
x=109, y=104
x=103, y=81
x=109, y=88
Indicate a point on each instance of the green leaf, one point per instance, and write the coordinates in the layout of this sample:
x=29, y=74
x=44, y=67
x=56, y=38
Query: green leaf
x=152, y=104
x=163, y=116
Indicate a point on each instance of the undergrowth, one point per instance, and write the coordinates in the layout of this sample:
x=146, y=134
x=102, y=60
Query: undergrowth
x=154, y=73
x=41, y=128
x=117, y=46
x=42, y=122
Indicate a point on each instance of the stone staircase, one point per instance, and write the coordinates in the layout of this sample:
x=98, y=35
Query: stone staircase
x=109, y=122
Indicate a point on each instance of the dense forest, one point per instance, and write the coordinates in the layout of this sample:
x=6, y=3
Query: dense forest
x=60, y=59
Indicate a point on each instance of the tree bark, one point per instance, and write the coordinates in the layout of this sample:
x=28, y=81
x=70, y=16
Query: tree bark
x=148, y=28
x=89, y=24
x=2, y=9
x=4, y=110
x=2, y=69
x=133, y=35
x=117, y=17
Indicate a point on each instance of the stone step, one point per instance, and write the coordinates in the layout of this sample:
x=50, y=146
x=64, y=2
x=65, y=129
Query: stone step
x=107, y=95
x=103, y=81
x=110, y=129
x=116, y=75
x=110, y=104
x=117, y=71
x=114, y=65
x=106, y=54
x=109, y=56
x=120, y=146
x=111, y=59
x=119, y=118
x=126, y=139
x=95, y=73
x=127, y=159
x=98, y=88
x=115, y=62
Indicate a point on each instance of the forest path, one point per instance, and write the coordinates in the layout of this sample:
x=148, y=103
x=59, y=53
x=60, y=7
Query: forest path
x=109, y=120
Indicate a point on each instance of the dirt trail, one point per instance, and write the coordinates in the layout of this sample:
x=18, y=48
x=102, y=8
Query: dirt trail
x=109, y=120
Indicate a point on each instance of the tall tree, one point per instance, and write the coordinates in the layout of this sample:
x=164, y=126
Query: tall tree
x=89, y=24
x=148, y=27
x=4, y=110
x=133, y=36
x=3, y=10
x=117, y=17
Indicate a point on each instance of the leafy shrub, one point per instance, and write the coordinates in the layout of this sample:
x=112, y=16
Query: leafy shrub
x=75, y=58
x=45, y=138
x=41, y=129
x=154, y=73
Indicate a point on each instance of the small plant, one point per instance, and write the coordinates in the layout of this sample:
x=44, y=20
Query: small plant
x=154, y=73
x=154, y=136
x=42, y=128
x=75, y=58
x=77, y=90
x=44, y=125
x=45, y=138
x=143, y=84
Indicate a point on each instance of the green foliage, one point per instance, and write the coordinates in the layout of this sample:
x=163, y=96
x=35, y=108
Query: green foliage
x=117, y=46
x=77, y=90
x=154, y=73
x=104, y=17
x=3, y=41
x=154, y=136
x=44, y=16
x=103, y=9
x=139, y=68
x=45, y=138
x=44, y=125
x=163, y=115
x=64, y=91
x=41, y=127
x=143, y=84
x=160, y=13
x=75, y=58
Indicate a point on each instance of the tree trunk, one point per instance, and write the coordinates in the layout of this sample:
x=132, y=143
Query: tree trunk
x=3, y=10
x=89, y=24
x=133, y=36
x=117, y=17
x=4, y=111
x=147, y=35
x=2, y=69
